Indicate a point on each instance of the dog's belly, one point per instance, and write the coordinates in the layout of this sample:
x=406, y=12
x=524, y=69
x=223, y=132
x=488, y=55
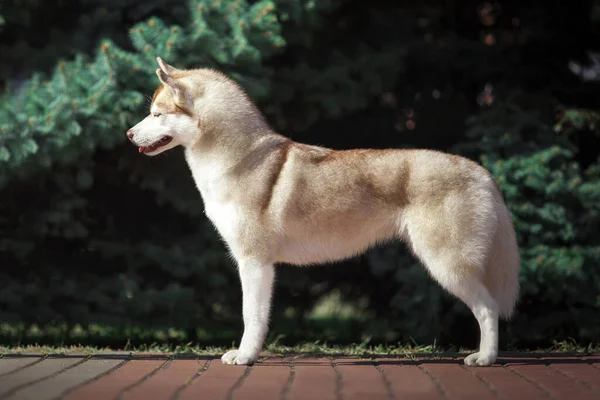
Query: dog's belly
x=317, y=246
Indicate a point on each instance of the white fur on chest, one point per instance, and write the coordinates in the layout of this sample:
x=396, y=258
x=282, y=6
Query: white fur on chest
x=226, y=219
x=219, y=207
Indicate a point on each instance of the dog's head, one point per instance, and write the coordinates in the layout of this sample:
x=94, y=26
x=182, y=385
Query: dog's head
x=186, y=103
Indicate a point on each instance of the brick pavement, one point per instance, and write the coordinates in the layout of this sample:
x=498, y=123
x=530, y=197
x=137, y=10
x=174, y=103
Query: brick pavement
x=126, y=376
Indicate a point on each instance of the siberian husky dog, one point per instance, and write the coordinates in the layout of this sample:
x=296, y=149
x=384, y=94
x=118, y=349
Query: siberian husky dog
x=274, y=200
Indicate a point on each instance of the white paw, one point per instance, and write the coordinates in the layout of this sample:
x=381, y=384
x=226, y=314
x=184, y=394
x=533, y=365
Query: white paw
x=238, y=358
x=480, y=359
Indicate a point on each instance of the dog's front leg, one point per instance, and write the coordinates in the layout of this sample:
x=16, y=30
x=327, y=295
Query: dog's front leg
x=257, y=288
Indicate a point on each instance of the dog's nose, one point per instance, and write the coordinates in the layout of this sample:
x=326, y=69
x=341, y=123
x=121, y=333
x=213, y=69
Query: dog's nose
x=130, y=134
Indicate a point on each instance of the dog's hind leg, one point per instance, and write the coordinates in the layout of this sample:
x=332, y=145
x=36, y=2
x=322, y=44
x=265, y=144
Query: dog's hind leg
x=485, y=309
x=459, y=267
x=472, y=291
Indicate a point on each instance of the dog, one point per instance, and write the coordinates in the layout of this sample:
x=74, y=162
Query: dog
x=274, y=200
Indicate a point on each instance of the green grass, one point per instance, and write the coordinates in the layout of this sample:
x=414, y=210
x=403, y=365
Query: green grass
x=310, y=348
x=271, y=348
x=339, y=331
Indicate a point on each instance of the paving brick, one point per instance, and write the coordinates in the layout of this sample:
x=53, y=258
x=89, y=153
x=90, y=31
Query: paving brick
x=578, y=370
x=59, y=384
x=456, y=381
x=266, y=380
x=594, y=360
x=109, y=386
x=361, y=380
x=107, y=353
x=166, y=382
x=506, y=384
x=552, y=382
x=314, y=378
x=522, y=376
x=584, y=373
x=43, y=369
x=215, y=382
x=10, y=364
x=408, y=381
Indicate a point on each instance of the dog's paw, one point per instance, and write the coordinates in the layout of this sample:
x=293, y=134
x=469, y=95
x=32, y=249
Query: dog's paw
x=480, y=359
x=237, y=357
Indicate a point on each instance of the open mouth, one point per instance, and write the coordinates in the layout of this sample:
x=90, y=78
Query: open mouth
x=163, y=141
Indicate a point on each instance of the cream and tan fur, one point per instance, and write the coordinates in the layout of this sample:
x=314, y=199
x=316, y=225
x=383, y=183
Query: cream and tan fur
x=274, y=200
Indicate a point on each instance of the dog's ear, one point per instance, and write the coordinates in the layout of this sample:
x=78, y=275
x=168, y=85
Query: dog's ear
x=168, y=69
x=172, y=84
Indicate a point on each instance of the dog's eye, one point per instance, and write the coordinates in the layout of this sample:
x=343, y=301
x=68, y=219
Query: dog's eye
x=156, y=114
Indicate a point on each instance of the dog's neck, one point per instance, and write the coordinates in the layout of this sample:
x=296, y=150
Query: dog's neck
x=226, y=140
x=226, y=156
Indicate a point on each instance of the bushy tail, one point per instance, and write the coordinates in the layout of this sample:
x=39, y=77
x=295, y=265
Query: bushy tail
x=502, y=270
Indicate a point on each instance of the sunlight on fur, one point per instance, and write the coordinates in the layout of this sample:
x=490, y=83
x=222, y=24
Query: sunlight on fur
x=274, y=200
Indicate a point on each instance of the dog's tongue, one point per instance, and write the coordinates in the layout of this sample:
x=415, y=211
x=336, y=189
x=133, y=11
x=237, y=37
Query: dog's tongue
x=141, y=149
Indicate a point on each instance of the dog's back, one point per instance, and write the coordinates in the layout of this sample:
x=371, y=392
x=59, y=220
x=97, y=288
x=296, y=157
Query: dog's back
x=275, y=200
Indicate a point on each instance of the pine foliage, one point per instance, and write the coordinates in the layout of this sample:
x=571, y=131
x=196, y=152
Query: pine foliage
x=93, y=233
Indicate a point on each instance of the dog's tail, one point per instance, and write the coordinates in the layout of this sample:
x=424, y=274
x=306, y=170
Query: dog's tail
x=502, y=271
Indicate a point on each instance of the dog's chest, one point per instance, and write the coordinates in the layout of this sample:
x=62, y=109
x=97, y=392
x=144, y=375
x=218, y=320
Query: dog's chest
x=219, y=205
x=222, y=211
x=225, y=217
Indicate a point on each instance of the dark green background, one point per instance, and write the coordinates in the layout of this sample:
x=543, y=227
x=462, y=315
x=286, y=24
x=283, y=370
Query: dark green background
x=100, y=245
